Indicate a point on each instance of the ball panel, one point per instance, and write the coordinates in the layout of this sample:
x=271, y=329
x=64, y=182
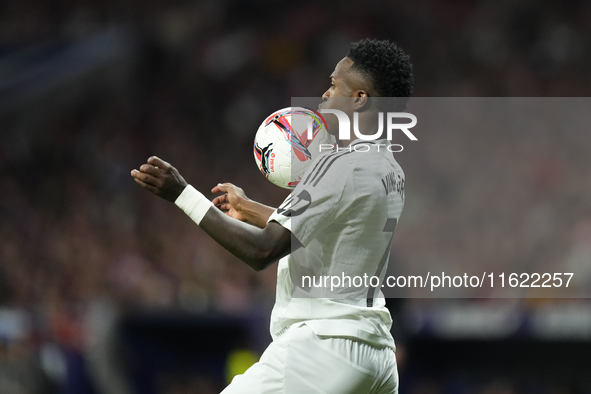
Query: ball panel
x=287, y=142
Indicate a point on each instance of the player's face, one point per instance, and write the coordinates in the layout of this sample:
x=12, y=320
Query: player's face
x=344, y=83
x=339, y=81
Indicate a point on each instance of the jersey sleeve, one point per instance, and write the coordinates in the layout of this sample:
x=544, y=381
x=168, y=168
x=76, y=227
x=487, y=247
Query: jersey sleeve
x=317, y=200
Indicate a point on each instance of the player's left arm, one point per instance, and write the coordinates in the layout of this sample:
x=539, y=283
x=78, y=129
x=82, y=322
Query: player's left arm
x=257, y=247
x=234, y=203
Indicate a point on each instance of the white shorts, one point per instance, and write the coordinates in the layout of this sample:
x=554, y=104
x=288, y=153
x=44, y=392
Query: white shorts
x=300, y=362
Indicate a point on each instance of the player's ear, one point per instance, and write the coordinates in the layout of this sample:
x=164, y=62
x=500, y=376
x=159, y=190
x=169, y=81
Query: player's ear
x=361, y=100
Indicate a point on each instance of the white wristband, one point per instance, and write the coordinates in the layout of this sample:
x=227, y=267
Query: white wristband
x=193, y=203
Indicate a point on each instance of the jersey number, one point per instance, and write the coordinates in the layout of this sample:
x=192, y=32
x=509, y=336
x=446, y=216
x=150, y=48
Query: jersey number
x=389, y=227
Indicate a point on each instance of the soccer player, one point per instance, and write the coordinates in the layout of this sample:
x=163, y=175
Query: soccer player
x=338, y=222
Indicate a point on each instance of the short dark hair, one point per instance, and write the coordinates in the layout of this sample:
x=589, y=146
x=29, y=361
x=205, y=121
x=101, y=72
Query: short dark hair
x=387, y=67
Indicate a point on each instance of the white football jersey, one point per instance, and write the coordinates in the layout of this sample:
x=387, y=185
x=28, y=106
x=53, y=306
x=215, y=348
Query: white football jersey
x=343, y=212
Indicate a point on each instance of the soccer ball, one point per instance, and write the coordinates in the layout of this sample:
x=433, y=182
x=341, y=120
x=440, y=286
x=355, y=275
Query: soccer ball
x=287, y=142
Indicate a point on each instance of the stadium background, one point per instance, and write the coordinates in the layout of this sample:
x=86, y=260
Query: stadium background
x=106, y=289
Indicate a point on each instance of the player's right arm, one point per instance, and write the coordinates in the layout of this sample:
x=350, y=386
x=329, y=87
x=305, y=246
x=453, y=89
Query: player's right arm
x=235, y=204
x=257, y=247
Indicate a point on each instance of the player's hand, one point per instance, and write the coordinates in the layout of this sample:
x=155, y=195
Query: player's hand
x=160, y=178
x=232, y=201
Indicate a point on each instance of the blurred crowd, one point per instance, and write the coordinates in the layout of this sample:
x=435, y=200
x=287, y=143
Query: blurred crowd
x=501, y=186
x=79, y=239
